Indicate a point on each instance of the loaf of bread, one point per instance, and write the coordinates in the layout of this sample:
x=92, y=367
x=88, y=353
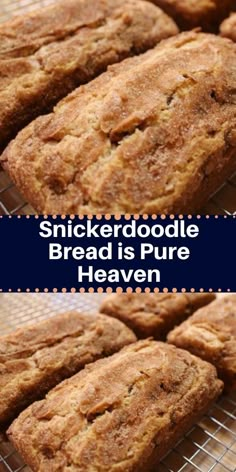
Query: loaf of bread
x=154, y=134
x=153, y=314
x=205, y=13
x=120, y=414
x=228, y=27
x=46, y=54
x=34, y=359
x=211, y=334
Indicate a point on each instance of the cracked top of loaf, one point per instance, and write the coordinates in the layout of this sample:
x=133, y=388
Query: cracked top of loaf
x=211, y=334
x=46, y=54
x=154, y=134
x=153, y=314
x=35, y=358
x=119, y=414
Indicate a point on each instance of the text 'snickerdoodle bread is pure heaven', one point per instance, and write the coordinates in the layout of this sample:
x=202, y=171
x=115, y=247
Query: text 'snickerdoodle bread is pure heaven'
x=46, y=54
x=211, y=334
x=154, y=134
x=205, y=13
x=34, y=359
x=120, y=414
x=228, y=27
x=153, y=314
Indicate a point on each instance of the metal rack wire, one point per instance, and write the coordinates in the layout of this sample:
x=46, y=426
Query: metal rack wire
x=9, y=8
x=12, y=202
x=210, y=446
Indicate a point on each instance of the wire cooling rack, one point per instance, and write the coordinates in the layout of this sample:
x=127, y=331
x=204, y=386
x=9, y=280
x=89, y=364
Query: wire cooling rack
x=15, y=7
x=12, y=202
x=210, y=446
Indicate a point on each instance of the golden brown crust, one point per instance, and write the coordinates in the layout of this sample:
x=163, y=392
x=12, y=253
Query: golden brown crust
x=228, y=27
x=150, y=314
x=119, y=414
x=190, y=13
x=46, y=54
x=154, y=134
x=34, y=359
x=211, y=334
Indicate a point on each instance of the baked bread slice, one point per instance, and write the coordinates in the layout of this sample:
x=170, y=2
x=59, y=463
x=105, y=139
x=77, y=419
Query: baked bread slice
x=120, y=414
x=228, y=27
x=211, y=334
x=190, y=13
x=153, y=314
x=154, y=134
x=34, y=359
x=46, y=54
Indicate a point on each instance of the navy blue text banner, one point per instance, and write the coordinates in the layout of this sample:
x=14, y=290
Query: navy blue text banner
x=139, y=253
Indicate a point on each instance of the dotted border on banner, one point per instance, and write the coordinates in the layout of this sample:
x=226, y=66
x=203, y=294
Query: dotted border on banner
x=117, y=290
x=117, y=217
